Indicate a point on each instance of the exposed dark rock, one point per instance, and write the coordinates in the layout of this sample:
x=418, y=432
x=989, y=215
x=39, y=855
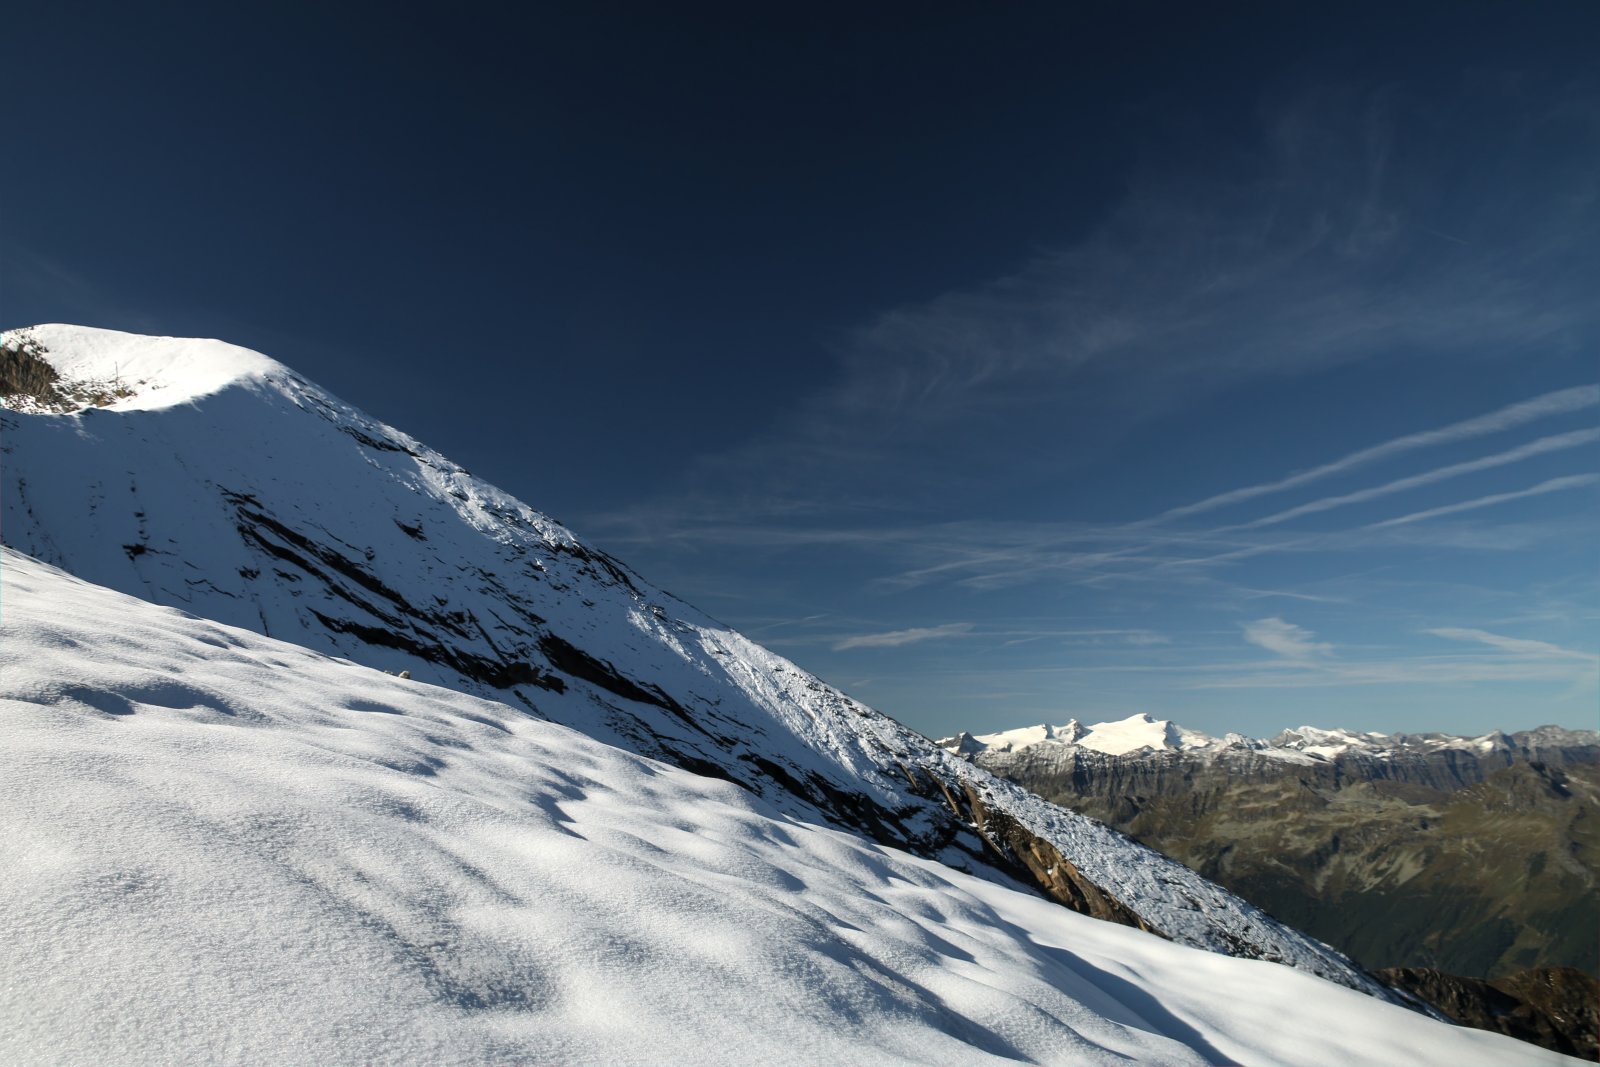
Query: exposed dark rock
x=1049, y=868
x=375, y=443
x=1557, y=1008
x=569, y=659
x=491, y=672
x=24, y=372
x=29, y=381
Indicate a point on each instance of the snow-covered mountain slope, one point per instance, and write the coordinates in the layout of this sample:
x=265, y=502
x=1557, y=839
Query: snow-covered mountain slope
x=221, y=482
x=220, y=848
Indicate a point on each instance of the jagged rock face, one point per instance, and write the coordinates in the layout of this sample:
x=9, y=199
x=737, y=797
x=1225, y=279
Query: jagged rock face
x=24, y=373
x=1556, y=1007
x=1019, y=847
x=1476, y=859
x=263, y=502
x=29, y=383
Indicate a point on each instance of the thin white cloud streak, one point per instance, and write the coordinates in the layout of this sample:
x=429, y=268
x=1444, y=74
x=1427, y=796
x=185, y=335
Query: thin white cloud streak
x=1436, y=671
x=1443, y=671
x=1286, y=639
x=1554, y=485
x=1104, y=637
x=1237, y=554
x=1101, y=638
x=1543, y=446
x=995, y=555
x=1257, y=594
x=1520, y=646
x=900, y=638
x=971, y=565
x=1560, y=402
x=1027, y=551
x=783, y=624
x=1133, y=636
x=1513, y=537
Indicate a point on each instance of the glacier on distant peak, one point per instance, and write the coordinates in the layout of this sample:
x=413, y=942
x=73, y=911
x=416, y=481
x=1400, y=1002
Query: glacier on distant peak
x=1136, y=732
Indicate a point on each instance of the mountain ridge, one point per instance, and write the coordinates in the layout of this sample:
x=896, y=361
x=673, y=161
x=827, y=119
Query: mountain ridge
x=266, y=503
x=1141, y=732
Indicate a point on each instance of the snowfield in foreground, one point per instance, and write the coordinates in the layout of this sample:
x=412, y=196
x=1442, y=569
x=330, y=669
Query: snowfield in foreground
x=220, y=848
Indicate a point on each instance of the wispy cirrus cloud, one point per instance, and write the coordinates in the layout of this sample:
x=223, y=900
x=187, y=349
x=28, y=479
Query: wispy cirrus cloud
x=1285, y=639
x=1543, y=446
x=994, y=554
x=1318, y=252
x=1305, y=663
x=1247, y=593
x=900, y=638
x=1519, y=646
x=1553, y=485
x=1559, y=402
x=1437, y=672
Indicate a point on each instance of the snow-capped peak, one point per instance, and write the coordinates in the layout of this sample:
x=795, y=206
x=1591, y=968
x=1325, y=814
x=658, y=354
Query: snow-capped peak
x=1314, y=741
x=143, y=373
x=1133, y=734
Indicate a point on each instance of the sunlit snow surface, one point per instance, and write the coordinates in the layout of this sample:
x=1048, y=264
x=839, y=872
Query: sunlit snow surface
x=234, y=488
x=157, y=373
x=219, y=848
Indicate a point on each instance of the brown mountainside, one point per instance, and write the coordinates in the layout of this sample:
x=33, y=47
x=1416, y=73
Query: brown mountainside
x=1474, y=864
x=1556, y=1007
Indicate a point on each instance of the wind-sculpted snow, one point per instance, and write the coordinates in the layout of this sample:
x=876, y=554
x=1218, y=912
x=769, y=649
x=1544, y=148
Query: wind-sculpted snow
x=219, y=848
x=263, y=502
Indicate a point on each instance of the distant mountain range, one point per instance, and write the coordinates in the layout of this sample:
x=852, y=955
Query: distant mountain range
x=1142, y=736
x=1359, y=838
x=1473, y=856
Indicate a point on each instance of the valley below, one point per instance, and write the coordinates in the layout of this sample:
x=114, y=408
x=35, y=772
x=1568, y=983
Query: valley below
x=1472, y=859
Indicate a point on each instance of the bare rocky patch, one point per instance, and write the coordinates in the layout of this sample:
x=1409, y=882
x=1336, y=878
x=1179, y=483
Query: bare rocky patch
x=30, y=384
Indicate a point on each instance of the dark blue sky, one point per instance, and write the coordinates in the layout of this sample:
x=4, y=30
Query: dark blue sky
x=890, y=336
